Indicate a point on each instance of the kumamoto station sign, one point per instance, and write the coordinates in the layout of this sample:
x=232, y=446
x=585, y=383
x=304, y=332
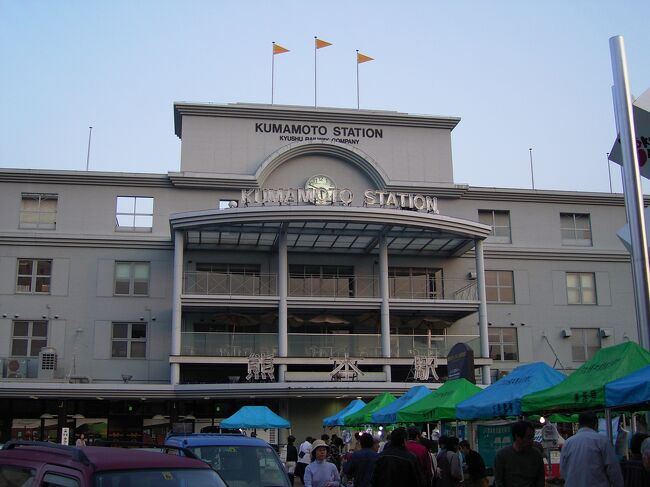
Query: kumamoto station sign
x=304, y=132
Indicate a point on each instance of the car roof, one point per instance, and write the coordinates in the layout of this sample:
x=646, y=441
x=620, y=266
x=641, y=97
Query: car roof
x=213, y=439
x=100, y=459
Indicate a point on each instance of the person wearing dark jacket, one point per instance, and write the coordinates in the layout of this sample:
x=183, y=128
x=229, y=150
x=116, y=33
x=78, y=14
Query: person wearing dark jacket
x=361, y=464
x=292, y=457
x=396, y=465
x=475, y=466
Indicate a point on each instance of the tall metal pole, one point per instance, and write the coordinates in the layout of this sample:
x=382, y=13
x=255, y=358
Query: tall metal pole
x=632, y=188
x=90, y=134
x=532, y=174
x=272, y=69
x=357, y=59
x=609, y=172
x=315, y=77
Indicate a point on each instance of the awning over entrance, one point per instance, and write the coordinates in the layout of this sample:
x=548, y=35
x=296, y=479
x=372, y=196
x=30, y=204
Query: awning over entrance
x=329, y=229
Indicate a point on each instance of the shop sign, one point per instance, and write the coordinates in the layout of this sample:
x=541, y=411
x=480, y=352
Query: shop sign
x=460, y=363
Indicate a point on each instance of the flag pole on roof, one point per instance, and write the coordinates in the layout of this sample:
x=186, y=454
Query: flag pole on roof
x=318, y=44
x=277, y=49
x=361, y=58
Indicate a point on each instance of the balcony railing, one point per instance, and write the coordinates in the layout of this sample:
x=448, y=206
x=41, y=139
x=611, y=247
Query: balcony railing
x=400, y=287
x=214, y=344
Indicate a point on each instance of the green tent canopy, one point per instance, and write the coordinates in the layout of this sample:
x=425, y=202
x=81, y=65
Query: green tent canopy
x=440, y=404
x=585, y=388
x=363, y=415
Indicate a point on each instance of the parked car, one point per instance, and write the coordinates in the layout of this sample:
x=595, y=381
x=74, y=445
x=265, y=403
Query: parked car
x=240, y=460
x=35, y=463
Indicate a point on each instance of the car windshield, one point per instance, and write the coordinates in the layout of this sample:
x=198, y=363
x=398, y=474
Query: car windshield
x=11, y=476
x=159, y=478
x=235, y=465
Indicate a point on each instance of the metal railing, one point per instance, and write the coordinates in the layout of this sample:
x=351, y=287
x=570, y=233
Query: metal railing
x=360, y=286
x=319, y=345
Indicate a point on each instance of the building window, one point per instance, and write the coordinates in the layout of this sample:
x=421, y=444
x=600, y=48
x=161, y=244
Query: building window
x=131, y=279
x=585, y=342
x=38, y=210
x=581, y=288
x=134, y=214
x=28, y=337
x=499, y=220
x=576, y=229
x=226, y=204
x=415, y=282
x=499, y=287
x=129, y=340
x=503, y=343
x=34, y=276
x=321, y=280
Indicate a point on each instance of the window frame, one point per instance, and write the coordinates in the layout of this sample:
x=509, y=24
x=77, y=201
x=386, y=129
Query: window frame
x=132, y=279
x=499, y=287
x=433, y=277
x=29, y=338
x=573, y=228
x=492, y=221
x=134, y=213
x=501, y=344
x=582, y=332
x=579, y=289
x=130, y=340
x=34, y=276
x=39, y=212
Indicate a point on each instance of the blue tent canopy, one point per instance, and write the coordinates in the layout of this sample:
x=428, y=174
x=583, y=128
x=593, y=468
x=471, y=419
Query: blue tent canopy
x=337, y=419
x=255, y=417
x=631, y=389
x=503, y=398
x=388, y=414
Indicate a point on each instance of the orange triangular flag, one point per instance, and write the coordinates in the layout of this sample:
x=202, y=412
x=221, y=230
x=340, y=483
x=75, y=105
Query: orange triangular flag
x=321, y=43
x=278, y=49
x=362, y=58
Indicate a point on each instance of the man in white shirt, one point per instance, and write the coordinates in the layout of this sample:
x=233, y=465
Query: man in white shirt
x=304, y=458
x=588, y=458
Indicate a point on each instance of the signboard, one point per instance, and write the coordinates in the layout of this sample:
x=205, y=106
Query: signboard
x=460, y=363
x=641, y=114
x=491, y=439
x=65, y=436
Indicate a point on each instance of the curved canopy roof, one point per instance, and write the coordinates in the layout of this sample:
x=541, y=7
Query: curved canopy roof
x=329, y=229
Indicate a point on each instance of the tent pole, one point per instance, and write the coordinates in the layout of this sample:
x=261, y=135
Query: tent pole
x=608, y=419
x=633, y=423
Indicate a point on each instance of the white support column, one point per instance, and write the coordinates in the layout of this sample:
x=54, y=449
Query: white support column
x=283, y=278
x=482, y=309
x=385, y=308
x=177, y=314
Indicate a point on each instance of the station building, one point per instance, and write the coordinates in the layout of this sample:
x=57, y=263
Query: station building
x=300, y=258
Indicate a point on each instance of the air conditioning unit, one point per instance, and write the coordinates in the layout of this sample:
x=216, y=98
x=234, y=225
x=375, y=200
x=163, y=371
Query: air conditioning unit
x=606, y=332
x=16, y=368
x=47, y=363
x=566, y=333
x=471, y=275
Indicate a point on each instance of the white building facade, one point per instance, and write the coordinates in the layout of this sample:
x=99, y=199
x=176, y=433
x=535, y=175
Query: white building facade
x=300, y=258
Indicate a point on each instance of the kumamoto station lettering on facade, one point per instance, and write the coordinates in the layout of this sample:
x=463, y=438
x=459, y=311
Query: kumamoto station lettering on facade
x=299, y=132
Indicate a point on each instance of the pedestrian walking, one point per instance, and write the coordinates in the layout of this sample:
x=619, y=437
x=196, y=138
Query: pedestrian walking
x=304, y=458
x=415, y=446
x=634, y=475
x=520, y=465
x=588, y=458
x=292, y=457
x=361, y=465
x=475, y=466
x=320, y=472
x=450, y=472
x=396, y=466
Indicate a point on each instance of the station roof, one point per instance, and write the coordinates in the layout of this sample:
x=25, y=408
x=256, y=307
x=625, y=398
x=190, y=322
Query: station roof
x=329, y=229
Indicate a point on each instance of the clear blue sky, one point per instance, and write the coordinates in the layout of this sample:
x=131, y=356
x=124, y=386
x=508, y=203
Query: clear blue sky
x=520, y=74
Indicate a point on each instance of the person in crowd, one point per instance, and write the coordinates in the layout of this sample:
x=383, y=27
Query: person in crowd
x=450, y=471
x=81, y=441
x=292, y=457
x=634, y=475
x=396, y=466
x=304, y=458
x=415, y=446
x=475, y=466
x=520, y=465
x=588, y=458
x=645, y=454
x=320, y=472
x=355, y=441
x=360, y=466
x=333, y=452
